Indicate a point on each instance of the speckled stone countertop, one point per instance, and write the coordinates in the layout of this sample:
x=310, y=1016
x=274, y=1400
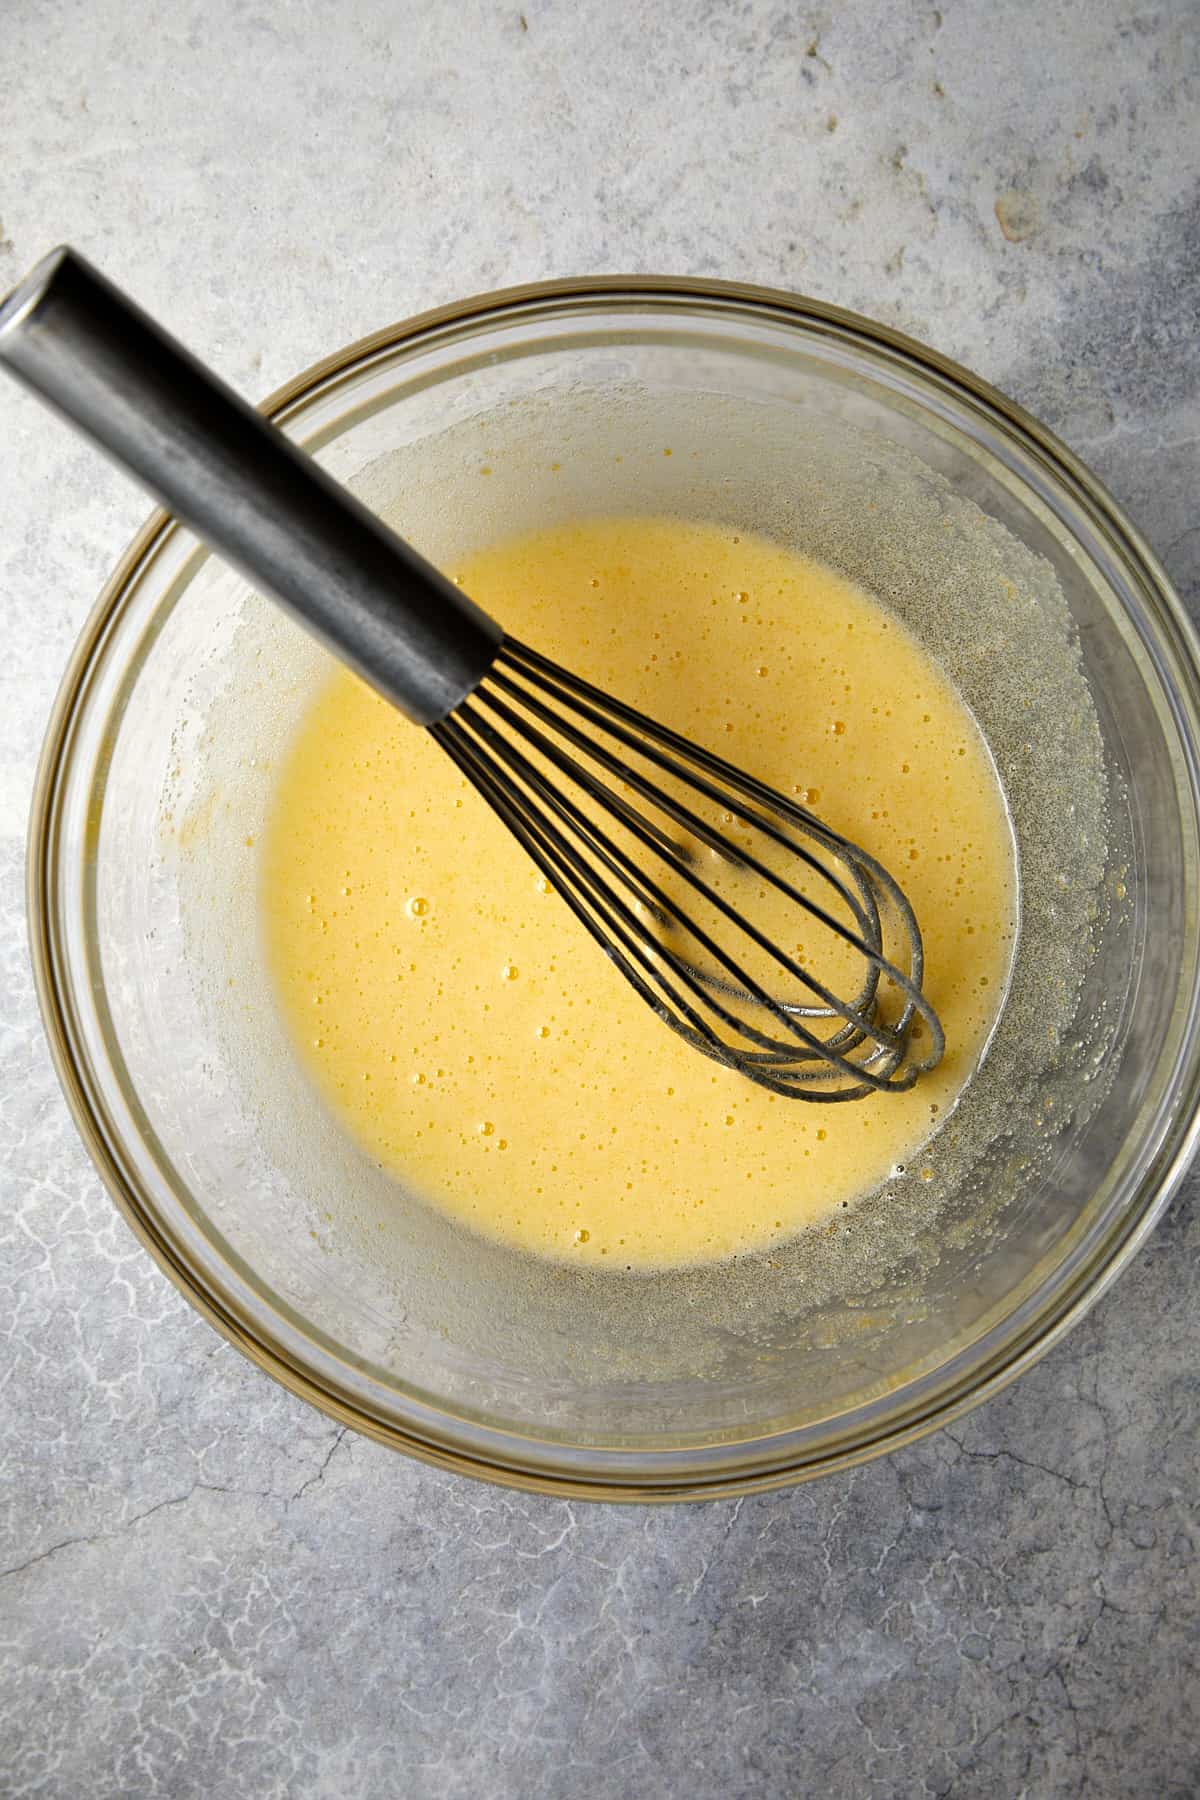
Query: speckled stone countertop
x=206, y=1589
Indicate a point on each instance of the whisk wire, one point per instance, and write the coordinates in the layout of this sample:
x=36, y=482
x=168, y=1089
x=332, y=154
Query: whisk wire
x=529, y=722
x=713, y=839
x=552, y=852
x=618, y=863
x=614, y=858
x=566, y=686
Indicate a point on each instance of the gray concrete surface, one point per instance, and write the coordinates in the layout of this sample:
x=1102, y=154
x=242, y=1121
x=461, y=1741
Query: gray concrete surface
x=207, y=1590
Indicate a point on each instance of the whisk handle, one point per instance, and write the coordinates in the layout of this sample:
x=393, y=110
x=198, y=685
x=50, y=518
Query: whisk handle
x=245, y=488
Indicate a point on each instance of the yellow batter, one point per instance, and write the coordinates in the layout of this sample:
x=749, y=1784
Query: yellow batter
x=458, y=1019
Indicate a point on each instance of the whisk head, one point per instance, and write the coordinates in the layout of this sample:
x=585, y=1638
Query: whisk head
x=762, y=937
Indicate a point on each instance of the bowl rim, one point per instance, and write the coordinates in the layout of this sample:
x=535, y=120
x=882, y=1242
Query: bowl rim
x=1088, y=1282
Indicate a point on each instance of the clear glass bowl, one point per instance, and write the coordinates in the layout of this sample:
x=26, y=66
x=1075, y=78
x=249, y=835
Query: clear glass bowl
x=157, y=770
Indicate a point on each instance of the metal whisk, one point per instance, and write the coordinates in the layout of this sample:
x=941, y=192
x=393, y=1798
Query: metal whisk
x=694, y=878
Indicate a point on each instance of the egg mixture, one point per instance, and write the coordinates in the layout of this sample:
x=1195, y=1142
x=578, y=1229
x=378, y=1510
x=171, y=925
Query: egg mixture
x=465, y=1029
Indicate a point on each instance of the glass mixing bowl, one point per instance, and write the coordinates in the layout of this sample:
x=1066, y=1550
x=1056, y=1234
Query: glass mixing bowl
x=498, y=415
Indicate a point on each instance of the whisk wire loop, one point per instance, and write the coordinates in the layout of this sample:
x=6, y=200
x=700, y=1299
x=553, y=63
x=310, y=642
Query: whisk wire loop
x=556, y=757
x=618, y=862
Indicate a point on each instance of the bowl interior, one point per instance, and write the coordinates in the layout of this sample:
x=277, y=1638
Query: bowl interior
x=850, y=449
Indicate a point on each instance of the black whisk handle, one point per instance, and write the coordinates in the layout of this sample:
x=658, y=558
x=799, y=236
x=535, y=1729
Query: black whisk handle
x=244, y=487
